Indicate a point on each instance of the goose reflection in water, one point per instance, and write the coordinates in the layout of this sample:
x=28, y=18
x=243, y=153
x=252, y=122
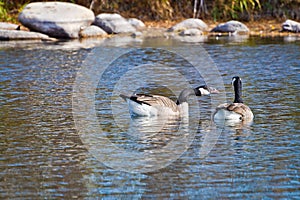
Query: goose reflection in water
x=158, y=131
x=233, y=123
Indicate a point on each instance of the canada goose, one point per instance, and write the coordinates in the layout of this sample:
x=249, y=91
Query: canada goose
x=154, y=105
x=236, y=111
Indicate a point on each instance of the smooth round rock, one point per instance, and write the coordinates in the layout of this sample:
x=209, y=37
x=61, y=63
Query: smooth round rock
x=136, y=23
x=22, y=35
x=291, y=26
x=8, y=26
x=56, y=19
x=191, y=32
x=113, y=23
x=230, y=27
x=92, y=31
x=189, y=24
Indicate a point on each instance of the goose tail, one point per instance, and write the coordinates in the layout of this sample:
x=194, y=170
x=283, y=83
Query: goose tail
x=125, y=97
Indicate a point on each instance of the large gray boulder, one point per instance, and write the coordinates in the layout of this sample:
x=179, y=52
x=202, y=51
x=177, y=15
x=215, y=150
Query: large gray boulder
x=113, y=23
x=189, y=24
x=231, y=27
x=56, y=19
x=291, y=26
x=22, y=35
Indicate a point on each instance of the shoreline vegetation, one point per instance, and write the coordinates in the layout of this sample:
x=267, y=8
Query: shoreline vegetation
x=262, y=17
x=174, y=10
x=159, y=10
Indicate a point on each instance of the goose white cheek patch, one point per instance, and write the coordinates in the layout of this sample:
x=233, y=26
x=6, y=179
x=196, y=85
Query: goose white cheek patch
x=233, y=80
x=204, y=91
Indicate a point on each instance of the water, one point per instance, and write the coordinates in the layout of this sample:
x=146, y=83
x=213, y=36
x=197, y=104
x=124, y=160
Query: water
x=44, y=153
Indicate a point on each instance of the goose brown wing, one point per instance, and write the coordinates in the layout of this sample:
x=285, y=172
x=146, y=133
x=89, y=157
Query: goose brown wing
x=155, y=101
x=239, y=108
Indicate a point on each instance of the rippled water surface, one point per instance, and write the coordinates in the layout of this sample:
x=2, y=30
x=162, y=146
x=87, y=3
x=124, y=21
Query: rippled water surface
x=59, y=142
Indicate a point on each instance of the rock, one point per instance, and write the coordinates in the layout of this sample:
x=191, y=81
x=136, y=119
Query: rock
x=113, y=23
x=154, y=32
x=189, y=24
x=56, y=19
x=291, y=26
x=8, y=26
x=136, y=23
x=231, y=27
x=22, y=35
x=191, y=32
x=92, y=31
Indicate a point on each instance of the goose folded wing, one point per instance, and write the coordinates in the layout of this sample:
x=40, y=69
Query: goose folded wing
x=239, y=108
x=155, y=101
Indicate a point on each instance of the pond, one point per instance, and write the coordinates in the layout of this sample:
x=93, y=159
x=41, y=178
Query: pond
x=66, y=133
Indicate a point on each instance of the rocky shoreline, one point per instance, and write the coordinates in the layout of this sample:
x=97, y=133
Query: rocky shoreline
x=58, y=20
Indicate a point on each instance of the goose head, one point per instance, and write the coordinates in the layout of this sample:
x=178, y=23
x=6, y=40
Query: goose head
x=236, y=80
x=205, y=90
x=198, y=91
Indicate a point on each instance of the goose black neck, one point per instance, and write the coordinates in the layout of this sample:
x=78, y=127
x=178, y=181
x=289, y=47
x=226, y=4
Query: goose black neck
x=183, y=96
x=238, y=92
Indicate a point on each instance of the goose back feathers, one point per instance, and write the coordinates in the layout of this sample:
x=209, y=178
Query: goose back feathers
x=150, y=105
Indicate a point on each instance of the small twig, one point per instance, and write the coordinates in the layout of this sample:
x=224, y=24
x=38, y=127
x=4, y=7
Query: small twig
x=195, y=8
